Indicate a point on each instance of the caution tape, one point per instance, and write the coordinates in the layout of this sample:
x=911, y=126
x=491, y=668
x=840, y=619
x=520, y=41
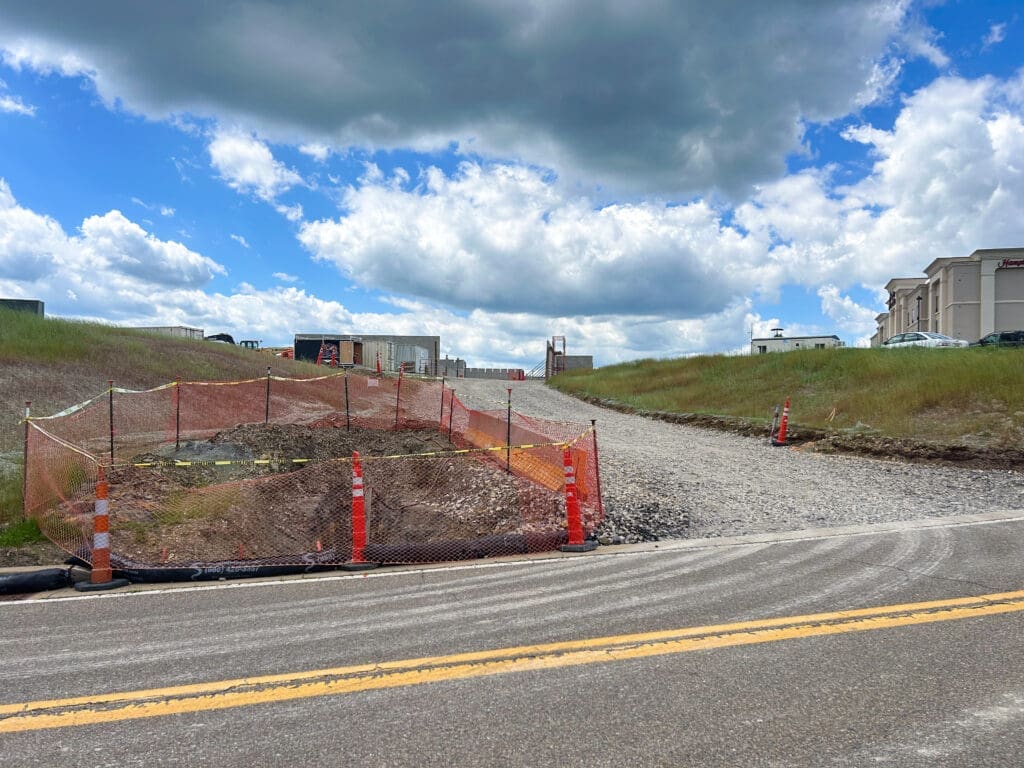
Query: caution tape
x=215, y=462
x=364, y=458
x=62, y=442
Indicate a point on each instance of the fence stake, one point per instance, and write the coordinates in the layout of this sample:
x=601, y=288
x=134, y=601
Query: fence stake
x=508, y=434
x=101, y=576
x=24, y=465
x=357, y=561
x=347, y=423
x=597, y=468
x=177, y=414
x=451, y=413
x=266, y=417
x=442, y=402
x=110, y=385
x=572, y=509
x=398, y=391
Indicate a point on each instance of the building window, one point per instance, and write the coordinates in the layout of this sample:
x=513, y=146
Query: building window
x=819, y=346
x=761, y=349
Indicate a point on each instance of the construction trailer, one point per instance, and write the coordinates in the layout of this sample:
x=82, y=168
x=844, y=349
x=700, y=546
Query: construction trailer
x=33, y=306
x=316, y=347
x=779, y=343
x=416, y=354
x=178, y=331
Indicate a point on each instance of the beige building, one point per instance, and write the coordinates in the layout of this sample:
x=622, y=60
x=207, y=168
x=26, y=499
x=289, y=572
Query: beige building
x=964, y=297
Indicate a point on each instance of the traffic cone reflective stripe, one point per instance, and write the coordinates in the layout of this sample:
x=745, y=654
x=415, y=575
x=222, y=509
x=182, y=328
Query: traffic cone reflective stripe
x=101, y=576
x=101, y=572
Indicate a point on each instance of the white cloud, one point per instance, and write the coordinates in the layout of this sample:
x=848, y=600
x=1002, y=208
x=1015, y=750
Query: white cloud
x=284, y=277
x=506, y=238
x=31, y=246
x=113, y=242
x=166, y=210
x=111, y=268
x=291, y=212
x=996, y=34
x=13, y=104
x=248, y=166
x=947, y=180
x=319, y=152
x=848, y=315
x=240, y=240
x=922, y=41
x=43, y=56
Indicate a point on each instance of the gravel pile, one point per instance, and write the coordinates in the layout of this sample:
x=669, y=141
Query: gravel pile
x=663, y=480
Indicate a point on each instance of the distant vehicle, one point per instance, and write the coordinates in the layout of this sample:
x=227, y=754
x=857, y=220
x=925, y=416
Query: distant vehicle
x=1001, y=339
x=227, y=338
x=922, y=339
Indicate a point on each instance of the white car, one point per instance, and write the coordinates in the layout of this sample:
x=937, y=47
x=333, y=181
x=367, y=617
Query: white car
x=923, y=339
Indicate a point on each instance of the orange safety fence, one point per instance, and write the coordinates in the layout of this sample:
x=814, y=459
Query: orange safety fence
x=231, y=478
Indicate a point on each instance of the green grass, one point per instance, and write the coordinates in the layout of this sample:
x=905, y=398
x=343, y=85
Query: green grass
x=19, y=533
x=10, y=495
x=947, y=395
x=57, y=363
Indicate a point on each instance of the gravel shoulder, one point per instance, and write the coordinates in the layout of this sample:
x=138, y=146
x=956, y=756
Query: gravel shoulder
x=665, y=480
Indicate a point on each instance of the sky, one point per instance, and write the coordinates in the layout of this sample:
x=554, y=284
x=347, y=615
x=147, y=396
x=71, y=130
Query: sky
x=648, y=178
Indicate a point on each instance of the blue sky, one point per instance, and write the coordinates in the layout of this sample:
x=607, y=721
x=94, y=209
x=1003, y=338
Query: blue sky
x=646, y=179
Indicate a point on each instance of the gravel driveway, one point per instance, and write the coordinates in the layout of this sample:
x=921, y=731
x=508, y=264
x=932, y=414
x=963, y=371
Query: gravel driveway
x=662, y=480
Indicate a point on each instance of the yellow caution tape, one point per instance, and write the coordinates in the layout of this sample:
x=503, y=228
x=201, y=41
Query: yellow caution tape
x=250, y=462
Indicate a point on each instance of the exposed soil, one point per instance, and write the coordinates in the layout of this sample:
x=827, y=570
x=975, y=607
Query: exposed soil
x=32, y=554
x=280, y=491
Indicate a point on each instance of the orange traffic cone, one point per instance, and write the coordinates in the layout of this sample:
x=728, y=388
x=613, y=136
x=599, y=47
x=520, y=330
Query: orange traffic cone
x=780, y=439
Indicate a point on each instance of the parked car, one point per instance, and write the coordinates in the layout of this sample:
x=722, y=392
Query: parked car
x=922, y=339
x=1001, y=339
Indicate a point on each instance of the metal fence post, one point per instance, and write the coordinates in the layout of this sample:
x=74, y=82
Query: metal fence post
x=442, y=402
x=398, y=392
x=347, y=423
x=24, y=465
x=508, y=434
x=597, y=467
x=266, y=417
x=177, y=415
x=110, y=386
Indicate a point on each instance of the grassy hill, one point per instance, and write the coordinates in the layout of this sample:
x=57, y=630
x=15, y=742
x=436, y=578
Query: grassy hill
x=969, y=396
x=57, y=363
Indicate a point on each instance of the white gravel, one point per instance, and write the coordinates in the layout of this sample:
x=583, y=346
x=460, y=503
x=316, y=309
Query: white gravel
x=663, y=480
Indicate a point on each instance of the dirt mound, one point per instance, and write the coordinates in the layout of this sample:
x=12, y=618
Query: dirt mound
x=279, y=491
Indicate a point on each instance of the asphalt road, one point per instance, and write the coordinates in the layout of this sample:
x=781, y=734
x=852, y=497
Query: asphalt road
x=759, y=651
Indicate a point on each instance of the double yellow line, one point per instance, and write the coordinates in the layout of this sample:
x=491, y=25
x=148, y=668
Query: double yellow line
x=156, y=702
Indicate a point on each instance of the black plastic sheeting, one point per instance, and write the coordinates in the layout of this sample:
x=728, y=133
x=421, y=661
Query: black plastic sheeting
x=398, y=553
x=496, y=545
x=144, y=573
x=34, y=581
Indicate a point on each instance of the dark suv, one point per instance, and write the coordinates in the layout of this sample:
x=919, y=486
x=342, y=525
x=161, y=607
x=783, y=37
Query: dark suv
x=1002, y=339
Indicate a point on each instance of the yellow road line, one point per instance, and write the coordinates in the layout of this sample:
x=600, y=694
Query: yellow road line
x=156, y=702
